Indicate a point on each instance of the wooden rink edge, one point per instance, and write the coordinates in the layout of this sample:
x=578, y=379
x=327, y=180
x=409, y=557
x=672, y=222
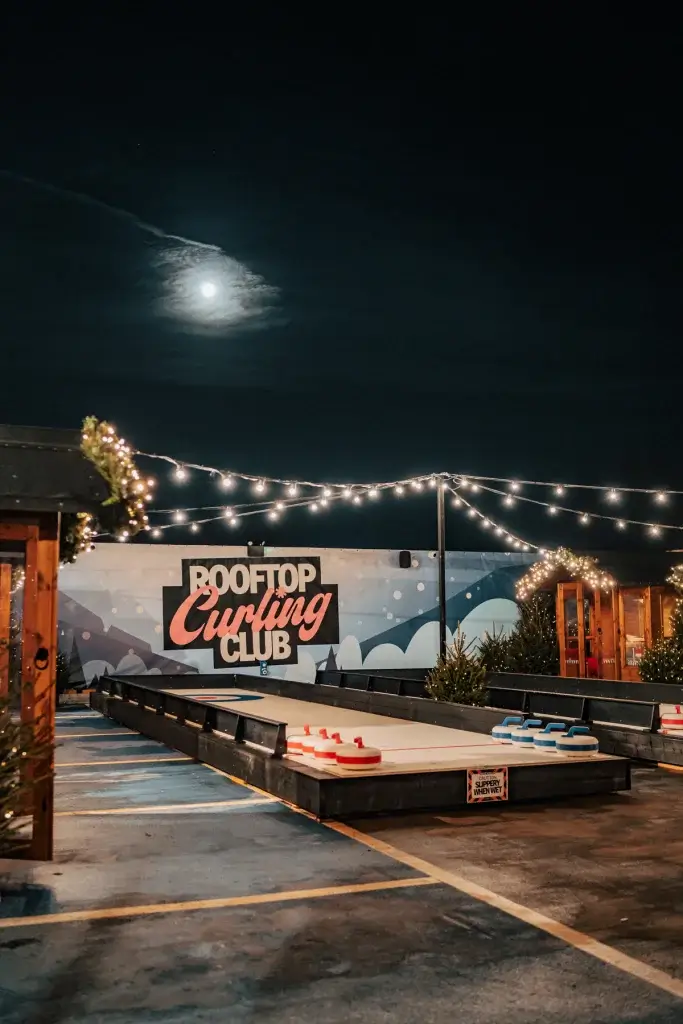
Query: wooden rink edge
x=329, y=797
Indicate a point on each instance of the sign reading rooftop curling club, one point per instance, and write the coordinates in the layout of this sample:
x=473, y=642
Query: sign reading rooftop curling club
x=250, y=610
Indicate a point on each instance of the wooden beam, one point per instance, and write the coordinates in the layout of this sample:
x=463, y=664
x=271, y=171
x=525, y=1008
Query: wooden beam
x=5, y=632
x=581, y=626
x=596, y=629
x=560, y=624
x=45, y=689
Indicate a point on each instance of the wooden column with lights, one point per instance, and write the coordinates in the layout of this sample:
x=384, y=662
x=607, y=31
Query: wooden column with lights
x=561, y=628
x=39, y=664
x=5, y=625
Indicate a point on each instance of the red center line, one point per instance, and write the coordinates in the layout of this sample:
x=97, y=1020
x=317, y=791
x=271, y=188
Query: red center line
x=448, y=746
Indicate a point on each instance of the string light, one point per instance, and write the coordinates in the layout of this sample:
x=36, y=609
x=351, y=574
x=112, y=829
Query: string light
x=227, y=482
x=180, y=474
x=473, y=482
x=487, y=523
x=613, y=496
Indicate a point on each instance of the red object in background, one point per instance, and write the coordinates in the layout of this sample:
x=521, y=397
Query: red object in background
x=592, y=667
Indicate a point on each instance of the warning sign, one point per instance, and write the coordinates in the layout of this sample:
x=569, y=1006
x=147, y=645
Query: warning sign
x=484, y=784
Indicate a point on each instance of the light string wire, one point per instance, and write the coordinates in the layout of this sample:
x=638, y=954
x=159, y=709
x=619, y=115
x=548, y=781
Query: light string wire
x=511, y=499
x=486, y=521
x=227, y=476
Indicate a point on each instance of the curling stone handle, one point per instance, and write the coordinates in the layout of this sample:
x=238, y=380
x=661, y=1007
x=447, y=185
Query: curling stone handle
x=555, y=727
x=532, y=721
x=512, y=721
x=579, y=730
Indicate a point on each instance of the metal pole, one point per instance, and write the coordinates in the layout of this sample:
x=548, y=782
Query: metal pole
x=441, y=559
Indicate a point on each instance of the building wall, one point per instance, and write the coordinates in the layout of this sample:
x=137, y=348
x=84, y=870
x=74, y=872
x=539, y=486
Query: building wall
x=119, y=608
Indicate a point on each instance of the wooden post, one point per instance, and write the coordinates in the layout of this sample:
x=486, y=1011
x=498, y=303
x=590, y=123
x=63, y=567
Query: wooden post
x=581, y=628
x=596, y=629
x=45, y=687
x=561, y=630
x=5, y=627
x=616, y=630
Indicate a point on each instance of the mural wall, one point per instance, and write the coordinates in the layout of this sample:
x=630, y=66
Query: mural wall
x=186, y=609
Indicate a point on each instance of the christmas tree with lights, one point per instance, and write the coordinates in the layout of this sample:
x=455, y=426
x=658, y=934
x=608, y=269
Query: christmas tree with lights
x=662, y=662
x=532, y=646
x=20, y=750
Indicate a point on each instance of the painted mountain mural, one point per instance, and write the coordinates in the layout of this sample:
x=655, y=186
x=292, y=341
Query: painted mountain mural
x=233, y=613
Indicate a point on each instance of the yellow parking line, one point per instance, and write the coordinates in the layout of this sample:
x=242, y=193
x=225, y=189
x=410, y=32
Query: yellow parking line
x=570, y=936
x=152, y=759
x=288, y=896
x=93, y=733
x=152, y=808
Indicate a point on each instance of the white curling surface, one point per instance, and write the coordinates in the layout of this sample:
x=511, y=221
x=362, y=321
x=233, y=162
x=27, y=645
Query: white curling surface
x=405, y=746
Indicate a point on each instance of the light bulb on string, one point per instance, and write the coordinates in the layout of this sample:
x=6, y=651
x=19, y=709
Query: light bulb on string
x=314, y=506
x=432, y=481
x=179, y=515
x=194, y=528
x=324, y=502
x=613, y=495
x=357, y=500
x=514, y=486
x=584, y=519
x=260, y=486
x=228, y=513
x=417, y=485
x=509, y=500
x=180, y=474
x=156, y=532
x=456, y=503
x=373, y=493
x=485, y=523
x=234, y=521
x=621, y=525
x=273, y=514
x=347, y=493
x=471, y=513
x=654, y=530
x=661, y=497
x=552, y=510
x=279, y=506
x=399, y=490
x=227, y=482
x=292, y=490
x=474, y=487
x=327, y=493
x=559, y=490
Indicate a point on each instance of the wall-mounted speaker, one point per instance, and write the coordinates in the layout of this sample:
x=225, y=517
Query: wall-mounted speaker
x=405, y=560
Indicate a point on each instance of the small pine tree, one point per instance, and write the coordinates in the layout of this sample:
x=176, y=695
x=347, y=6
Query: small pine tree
x=494, y=651
x=662, y=662
x=19, y=748
x=459, y=676
x=532, y=645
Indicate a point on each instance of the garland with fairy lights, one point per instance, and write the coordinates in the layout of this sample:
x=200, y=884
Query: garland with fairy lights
x=124, y=511
x=579, y=567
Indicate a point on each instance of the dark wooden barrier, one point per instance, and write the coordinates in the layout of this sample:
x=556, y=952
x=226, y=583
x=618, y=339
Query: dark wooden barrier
x=239, y=726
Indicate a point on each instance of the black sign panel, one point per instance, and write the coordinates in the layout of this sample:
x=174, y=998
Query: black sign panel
x=250, y=610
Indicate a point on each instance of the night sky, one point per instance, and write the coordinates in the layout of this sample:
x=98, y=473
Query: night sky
x=457, y=245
